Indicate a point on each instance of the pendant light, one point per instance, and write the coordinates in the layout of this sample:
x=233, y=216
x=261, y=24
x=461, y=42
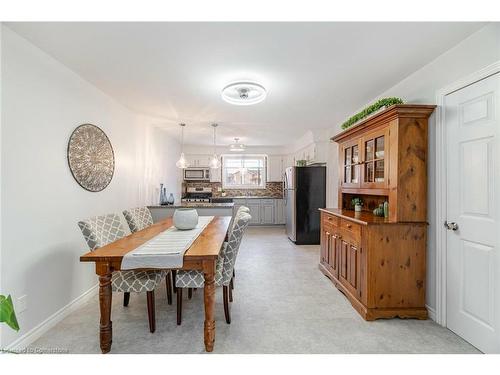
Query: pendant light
x=214, y=161
x=182, y=162
x=236, y=146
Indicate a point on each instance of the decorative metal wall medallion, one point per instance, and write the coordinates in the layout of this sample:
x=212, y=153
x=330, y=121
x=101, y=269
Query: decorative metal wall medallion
x=91, y=158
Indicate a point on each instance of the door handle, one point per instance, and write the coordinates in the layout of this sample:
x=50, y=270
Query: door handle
x=451, y=225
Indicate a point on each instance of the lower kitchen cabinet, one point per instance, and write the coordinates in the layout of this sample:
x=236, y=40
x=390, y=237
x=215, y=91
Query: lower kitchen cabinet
x=255, y=211
x=265, y=211
x=279, y=211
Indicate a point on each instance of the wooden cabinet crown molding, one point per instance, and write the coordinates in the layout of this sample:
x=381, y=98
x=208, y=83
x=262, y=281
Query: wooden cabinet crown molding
x=389, y=114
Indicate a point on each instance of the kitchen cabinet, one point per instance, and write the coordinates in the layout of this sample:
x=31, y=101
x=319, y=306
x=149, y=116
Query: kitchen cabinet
x=198, y=160
x=255, y=211
x=275, y=168
x=279, y=211
x=267, y=211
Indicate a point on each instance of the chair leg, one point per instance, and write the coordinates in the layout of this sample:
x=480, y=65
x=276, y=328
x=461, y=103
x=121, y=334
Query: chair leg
x=174, y=274
x=151, y=310
x=179, y=306
x=225, y=297
x=230, y=292
x=168, y=281
x=190, y=293
x=231, y=283
x=126, y=298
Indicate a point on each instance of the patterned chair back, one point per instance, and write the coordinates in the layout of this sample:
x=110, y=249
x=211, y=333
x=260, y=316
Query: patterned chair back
x=241, y=209
x=233, y=244
x=99, y=231
x=138, y=218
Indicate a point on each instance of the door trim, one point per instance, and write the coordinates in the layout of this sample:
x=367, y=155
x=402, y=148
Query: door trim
x=441, y=197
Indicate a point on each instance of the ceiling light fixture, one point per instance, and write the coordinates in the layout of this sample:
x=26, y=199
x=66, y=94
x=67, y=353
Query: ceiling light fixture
x=244, y=93
x=214, y=161
x=236, y=146
x=182, y=162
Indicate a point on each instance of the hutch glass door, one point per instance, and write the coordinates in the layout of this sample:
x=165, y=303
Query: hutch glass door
x=350, y=165
x=375, y=154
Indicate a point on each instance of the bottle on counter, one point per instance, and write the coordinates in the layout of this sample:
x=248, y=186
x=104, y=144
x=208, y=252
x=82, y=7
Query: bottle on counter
x=161, y=194
x=171, y=199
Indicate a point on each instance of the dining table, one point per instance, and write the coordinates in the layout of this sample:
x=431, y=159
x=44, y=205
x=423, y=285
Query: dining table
x=201, y=255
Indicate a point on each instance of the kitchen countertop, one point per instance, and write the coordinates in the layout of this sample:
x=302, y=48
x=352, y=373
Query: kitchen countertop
x=196, y=205
x=253, y=197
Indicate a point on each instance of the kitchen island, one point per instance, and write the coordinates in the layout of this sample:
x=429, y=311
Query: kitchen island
x=203, y=208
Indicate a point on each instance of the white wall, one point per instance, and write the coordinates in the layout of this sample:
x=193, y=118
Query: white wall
x=478, y=51
x=42, y=102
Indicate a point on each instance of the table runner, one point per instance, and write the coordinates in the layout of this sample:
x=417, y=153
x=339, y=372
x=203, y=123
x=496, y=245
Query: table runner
x=166, y=250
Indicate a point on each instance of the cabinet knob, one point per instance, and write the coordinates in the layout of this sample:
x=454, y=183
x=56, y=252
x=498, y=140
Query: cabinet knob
x=349, y=226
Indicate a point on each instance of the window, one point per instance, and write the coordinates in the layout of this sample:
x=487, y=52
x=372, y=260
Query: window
x=244, y=171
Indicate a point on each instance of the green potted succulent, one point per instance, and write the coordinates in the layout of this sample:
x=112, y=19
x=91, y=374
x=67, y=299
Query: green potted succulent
x=7, y=314
x=357, y=203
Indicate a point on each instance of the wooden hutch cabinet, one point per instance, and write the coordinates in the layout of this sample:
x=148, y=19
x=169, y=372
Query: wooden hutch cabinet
x=379, y=263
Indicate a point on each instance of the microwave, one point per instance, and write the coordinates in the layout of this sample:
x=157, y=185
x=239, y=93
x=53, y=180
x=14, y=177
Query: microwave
x=197, y=174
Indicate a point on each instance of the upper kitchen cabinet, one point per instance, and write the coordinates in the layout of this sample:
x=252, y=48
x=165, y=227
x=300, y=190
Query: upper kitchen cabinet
x=198, y=160
x=275, y=168
x=314, y=153
x=384, y=158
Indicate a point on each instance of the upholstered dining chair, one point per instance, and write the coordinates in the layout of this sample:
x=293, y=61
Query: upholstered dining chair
x=102, y=230
x=223, y=271
x=240, y=210
x=138, y=219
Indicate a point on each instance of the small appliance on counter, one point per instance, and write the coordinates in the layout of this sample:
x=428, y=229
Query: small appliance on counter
x=197, y=194
x=304, y=194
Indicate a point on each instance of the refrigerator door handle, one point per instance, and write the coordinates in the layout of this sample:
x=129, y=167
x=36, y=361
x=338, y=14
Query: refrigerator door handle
x=285, y=187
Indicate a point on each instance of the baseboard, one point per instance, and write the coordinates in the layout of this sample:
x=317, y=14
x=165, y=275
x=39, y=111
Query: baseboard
x=36, y=332
x=431, y=312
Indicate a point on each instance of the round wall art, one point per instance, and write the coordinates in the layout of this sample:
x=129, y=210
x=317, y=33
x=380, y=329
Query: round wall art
x=91, y=158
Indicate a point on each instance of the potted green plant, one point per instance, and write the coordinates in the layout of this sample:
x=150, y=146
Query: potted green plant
x=223, y=193
x=7, y=314
x=301, y=163
x=357, y=203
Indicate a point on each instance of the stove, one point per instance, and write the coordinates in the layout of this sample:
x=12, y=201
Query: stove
x=197, y=194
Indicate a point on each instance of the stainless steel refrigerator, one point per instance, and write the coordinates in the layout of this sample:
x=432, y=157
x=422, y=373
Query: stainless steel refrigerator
x=305, y=193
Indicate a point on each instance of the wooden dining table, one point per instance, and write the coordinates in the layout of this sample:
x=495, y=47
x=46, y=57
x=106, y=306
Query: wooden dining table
x=201, y=255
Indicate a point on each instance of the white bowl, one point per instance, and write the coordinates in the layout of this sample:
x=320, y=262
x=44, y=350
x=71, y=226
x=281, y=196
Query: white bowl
x=185, y=218
x=379, y=154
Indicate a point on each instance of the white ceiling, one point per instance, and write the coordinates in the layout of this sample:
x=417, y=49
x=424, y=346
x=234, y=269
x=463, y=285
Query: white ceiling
x=316, y=73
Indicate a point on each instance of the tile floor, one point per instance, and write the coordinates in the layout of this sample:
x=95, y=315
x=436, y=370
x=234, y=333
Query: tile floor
x=282, y=304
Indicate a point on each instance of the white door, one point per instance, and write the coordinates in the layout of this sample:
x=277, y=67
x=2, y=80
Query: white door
x=473, y=206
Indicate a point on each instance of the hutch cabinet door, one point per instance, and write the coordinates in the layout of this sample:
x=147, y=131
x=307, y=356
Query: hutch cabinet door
x=333, y=258
x=324, y=246
x=375, y=156
x=350, y=164
x=350, y=266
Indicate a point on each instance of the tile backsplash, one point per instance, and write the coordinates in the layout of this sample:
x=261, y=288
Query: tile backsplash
x=273, y=189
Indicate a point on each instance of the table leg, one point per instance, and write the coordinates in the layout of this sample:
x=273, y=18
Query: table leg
x=105, y=327
x=209, y=297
